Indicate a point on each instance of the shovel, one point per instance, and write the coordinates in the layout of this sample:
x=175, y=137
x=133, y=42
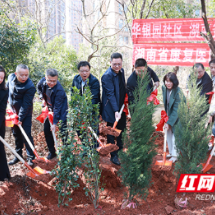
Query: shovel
x=31, y=145
x=33, y=172
x=104, y=149
x=114, y=129
x=53, y=134
x=164, y=162
x=207, y=166
x=43, y=117
x=14, y=121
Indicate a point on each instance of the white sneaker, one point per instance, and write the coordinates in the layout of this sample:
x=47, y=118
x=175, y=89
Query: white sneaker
x=169, y=156
x=173, y=159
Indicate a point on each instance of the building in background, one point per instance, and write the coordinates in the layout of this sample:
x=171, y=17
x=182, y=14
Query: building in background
x=73, y=20
x=58, y=17
x=53, y=13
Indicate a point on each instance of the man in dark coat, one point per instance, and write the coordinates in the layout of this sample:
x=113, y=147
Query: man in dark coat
x=140, y=67
x=113, y=95
x=203, y=81
x=85, y=78
x=21, y=94
x=53, y=95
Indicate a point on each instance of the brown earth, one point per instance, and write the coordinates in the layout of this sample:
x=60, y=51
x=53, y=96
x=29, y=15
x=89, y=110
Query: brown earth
x=24, y=195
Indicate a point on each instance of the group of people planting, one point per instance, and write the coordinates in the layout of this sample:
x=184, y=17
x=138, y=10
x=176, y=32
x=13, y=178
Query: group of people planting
x=19, y=92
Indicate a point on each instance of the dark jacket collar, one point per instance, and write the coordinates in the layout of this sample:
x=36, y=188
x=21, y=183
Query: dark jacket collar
x=89, y=79
x=115, y=74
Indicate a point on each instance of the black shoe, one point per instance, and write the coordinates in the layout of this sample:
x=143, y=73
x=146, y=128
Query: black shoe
x=14, y=161
x=51, y=155
x=115, y=160
x=30, y=162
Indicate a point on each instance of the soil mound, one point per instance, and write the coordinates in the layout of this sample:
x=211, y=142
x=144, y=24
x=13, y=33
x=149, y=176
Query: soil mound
x=109, y=178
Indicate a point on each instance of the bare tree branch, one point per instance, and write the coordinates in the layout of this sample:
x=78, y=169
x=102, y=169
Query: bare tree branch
x=142, y=8
x=209, y=39
x=125, y=15
x=150, y=6
x=92, y=55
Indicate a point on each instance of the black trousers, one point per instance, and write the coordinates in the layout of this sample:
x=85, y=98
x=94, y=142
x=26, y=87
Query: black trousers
x=110, y=139
x=20, y=139
x=49, y=137
x=4, y=170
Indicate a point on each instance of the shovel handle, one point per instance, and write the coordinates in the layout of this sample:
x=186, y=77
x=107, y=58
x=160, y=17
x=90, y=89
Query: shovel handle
x=95, y=135
x=53, y=134
x=121, y=110
x=17, y=155
x=12, y=150
x=164, y=144
x=28, y=140
x=117, y=119
x=154, y=88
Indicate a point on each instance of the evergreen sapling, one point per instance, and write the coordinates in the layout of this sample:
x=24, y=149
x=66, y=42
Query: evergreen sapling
x=136, y=158
x=191, y=136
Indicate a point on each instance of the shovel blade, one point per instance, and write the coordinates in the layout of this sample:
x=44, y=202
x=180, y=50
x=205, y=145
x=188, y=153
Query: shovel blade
x=36, y=172
x=118, y=131
x=44, y=159
x=108, y=148
x=168, y=163
x=206, y=167
x=31, y=174
x=40, y=171
x=111, y=131
x=161, y=163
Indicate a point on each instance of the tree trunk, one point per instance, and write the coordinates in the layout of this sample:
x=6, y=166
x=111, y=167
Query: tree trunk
x=209, y=38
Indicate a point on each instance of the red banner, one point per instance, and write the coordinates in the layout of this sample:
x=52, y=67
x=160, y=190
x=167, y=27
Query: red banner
x=154, y=30
x=173, y=54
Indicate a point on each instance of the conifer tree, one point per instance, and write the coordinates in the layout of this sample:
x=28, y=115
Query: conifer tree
x=136, y=158
x=191, y=136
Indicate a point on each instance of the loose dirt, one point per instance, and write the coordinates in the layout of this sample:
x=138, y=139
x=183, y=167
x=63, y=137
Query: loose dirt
x=23, y=195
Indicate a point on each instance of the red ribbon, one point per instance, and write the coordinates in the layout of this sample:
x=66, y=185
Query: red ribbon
x=12, y=119
x=126, y=105
x=153, y=97
x=164, y=118
x=45, y=113
x=210, y=97
x=212, y=139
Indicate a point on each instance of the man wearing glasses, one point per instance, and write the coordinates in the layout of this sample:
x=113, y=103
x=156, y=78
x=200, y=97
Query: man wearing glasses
x=113, y=95
x=83, y=79
x=21, y=94
x=54, y=97
x=141, y=69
